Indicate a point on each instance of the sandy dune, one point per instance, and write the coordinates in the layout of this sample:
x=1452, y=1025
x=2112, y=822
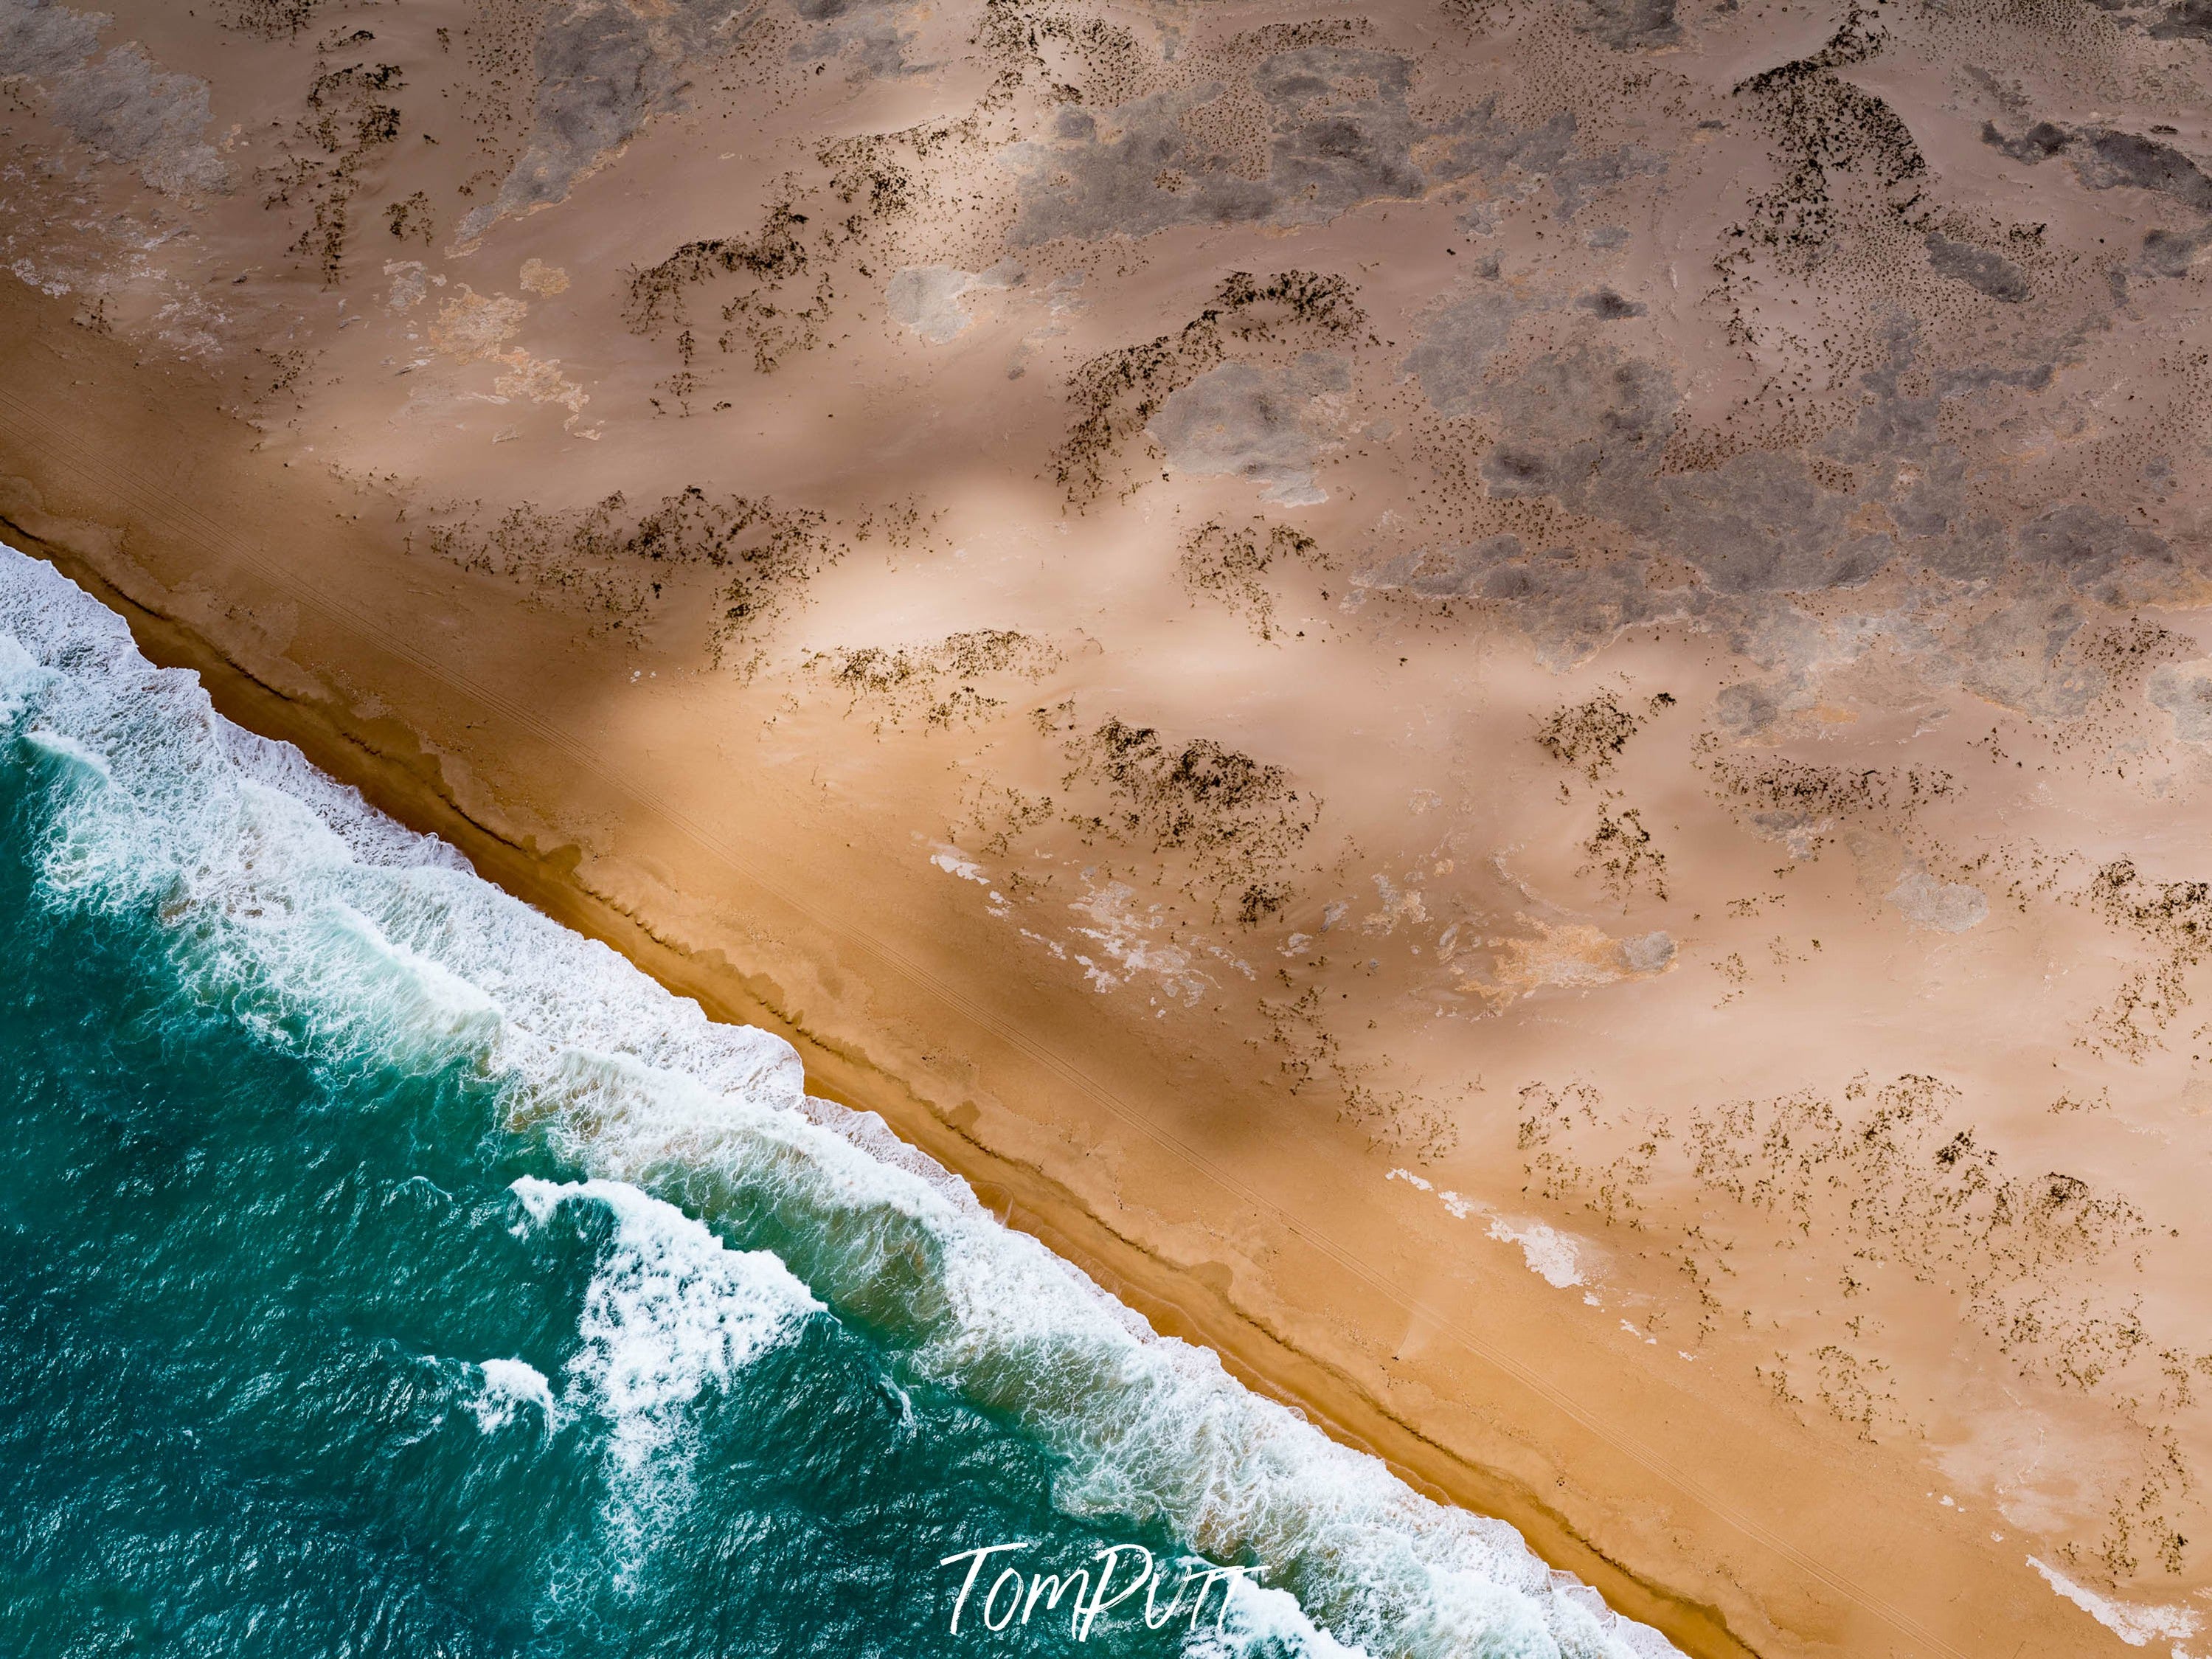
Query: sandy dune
x=1507, y=704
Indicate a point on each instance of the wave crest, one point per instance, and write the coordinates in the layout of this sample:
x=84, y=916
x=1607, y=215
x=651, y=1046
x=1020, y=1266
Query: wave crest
x=356, y=939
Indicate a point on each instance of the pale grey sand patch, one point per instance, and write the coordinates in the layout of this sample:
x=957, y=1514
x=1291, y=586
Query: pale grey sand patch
x=1803, y=833
x=2185, y=691
x=124, y=106
x=2100, y=553
x=1455, y=349
x=1569, y=609
x=1746, y=708
x=42, y=40
x=930, y=299
x=1340, y=133
x=603, y=70
x=1633, y=25
x=1648, y=953
x=1608, y=306
x=1259, y=423
x=1979, y=268
x=2016, y=654
x=1948, y=907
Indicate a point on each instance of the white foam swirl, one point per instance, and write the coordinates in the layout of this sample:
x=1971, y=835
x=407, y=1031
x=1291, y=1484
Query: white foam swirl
x=670, y=1313
x=504, y=1388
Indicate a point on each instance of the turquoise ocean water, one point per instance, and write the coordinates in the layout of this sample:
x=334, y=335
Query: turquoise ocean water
x=384, y=1270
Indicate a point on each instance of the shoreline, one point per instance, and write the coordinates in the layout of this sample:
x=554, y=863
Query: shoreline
x=1023, y=1197
x=1175, y=1174
x=385, y=760
x=1506, y=736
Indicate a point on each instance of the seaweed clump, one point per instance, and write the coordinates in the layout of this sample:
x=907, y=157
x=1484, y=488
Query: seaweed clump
x=2175, y=917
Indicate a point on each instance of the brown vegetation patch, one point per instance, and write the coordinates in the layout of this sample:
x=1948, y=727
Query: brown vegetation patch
x=2173, y=916
x=938, y=682
x=348, y=121
x=612, y=562
x=1228, y=563
x=1115, y=394
x=1591, y=735
x=1238, y=820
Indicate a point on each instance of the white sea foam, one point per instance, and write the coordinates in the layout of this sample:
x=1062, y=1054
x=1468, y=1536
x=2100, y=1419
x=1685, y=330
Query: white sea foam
x=2137, y=1623
x=1553, y=1256
x=954, y=862
x=1253, y=1616
x=504, y=1388
x=670, y=1313
x=331, y=926
x=1558, y=1258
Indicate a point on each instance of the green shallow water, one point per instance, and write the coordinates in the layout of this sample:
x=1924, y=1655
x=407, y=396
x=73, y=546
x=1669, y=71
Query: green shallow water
x=246, y=1292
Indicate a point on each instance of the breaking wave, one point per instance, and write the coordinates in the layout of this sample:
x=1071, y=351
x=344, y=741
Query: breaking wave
x=732, y=1213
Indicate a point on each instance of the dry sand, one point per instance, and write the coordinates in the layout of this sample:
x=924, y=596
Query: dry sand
x=1508, y=705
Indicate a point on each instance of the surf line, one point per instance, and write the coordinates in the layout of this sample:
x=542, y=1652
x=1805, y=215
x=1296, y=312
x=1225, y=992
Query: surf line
x=1090, y=1601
